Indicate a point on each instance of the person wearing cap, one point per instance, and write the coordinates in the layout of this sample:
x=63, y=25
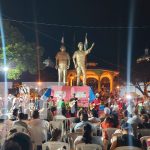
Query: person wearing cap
x=126, y=139
x=79, y=60
x=106, y=113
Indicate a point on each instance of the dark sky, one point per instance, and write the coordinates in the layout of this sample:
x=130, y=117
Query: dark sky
x=112, y=16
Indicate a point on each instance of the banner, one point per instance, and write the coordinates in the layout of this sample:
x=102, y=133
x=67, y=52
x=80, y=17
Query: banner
x=82, y=93
x=61, y=92
x=66, y=92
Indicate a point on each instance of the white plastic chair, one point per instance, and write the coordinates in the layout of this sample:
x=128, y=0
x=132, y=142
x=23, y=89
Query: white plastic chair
x=57, y=124
x=127, y=148
x=38, y=135
x=59, y=117
x=144, y=138
x=80, y=130
x=144, y=132
x=20, y=128
x=55, y=145
x=84, y=146
x=71, y=138
x=69, y=122
x=110, y=132
x=63, y=119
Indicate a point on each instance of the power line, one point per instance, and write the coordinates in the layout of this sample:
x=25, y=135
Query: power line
x=78, y=26
x=23, y=23
x=43, y=34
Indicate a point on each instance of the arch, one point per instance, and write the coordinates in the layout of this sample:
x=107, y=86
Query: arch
x=97, y=74
x=110, y=77
x=92, y=82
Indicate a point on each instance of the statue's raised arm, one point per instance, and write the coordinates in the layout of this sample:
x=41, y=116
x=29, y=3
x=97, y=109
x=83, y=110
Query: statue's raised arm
x=90, y=49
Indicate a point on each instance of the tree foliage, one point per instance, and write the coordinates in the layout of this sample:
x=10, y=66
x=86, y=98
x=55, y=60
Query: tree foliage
x=21, y=55
x=141, y=77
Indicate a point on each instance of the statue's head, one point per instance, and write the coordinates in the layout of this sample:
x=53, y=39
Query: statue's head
x=80, y=46
x=62, y=48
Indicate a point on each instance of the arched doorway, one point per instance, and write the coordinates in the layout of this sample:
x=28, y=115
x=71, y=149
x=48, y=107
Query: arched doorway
x=105, y=84
x=93, y=83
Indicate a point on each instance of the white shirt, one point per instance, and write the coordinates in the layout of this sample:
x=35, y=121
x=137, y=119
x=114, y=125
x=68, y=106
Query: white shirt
x=134, y=120
x=38, y=129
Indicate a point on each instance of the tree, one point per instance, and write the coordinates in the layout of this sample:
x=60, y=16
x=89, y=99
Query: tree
x=141, y=77
x=21, y=55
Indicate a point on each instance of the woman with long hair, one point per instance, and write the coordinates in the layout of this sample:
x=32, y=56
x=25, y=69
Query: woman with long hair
x=88, y=137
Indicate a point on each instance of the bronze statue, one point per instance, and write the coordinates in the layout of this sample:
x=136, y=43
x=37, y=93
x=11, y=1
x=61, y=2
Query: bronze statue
x=62, y=64
x=79, y=60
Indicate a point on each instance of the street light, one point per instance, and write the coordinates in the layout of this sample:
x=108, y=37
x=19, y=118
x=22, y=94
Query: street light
x=118, y=87
x=128, y=96
x=39, y=83
x=5, y=69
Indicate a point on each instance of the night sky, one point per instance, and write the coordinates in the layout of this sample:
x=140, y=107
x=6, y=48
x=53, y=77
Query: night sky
x=111, y=17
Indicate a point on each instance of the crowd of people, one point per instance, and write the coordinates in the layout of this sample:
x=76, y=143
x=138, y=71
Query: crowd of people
x=27, y=128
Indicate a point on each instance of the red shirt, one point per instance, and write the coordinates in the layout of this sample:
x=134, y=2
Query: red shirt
x=96, y=102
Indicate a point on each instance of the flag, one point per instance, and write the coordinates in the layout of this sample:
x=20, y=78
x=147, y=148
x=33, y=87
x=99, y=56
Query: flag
x=91, y=95
x=62, y=40
x=86, y=43
x=46, y=95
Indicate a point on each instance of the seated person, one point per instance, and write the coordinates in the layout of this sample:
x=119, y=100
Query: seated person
x=124, y=117
x=145, y=122
x=56, y=135
x=115, y=119
x=127, y=138
x=87, y=137
x=79, y=112
x=20, y=121
x=36, y=121
x=18, y=141
x=14, y=115
x=38, y=128
x=107, y=123
x=135, y=119
x=106, y=113
x=84, y=120
x=94, y=117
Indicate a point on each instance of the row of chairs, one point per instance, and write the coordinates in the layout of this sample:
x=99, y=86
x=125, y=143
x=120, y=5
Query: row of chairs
x=82, y=146
x=65, y=146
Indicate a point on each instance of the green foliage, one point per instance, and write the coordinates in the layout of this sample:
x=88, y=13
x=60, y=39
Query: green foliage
x=21, y=55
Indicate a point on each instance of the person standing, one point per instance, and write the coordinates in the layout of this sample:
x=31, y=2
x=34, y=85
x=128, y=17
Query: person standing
x=73, y=105
x=96, y=103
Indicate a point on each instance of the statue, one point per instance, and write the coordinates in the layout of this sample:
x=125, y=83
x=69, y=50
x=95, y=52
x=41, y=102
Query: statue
x=62, y=64
x=79, y=60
